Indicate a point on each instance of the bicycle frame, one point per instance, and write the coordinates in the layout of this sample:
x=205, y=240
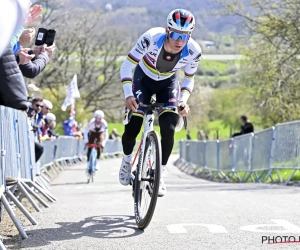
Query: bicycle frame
x=148, y=127
x=93, y=155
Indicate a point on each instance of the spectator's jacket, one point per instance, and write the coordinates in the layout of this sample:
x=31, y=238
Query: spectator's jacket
x=36, y=66
x=247, y=128
x=13, y=89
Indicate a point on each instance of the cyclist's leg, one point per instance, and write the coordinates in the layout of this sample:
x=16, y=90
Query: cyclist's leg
x=100, y=139
x=133, y=128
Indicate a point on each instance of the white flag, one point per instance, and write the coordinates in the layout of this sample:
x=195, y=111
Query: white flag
x=72, y=94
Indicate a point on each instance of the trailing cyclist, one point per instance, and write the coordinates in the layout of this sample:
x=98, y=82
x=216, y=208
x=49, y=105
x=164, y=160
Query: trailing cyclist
x=157, y=56
x=96, y=130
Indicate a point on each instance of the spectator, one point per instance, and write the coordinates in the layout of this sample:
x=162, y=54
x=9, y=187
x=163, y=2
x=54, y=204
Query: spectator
x=32, y=65
x=48, y=130
x=31, y=89
x=246, y=127
x=33, y=113
x=188, y=136
x=114, y=134
x=200, y=135
x=13, y=89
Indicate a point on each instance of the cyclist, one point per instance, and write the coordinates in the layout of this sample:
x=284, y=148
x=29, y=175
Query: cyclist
x=157, y=56
x=97, y=129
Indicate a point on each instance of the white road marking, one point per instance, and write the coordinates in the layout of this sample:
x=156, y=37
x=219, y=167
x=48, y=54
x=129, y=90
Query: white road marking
x=290, y=228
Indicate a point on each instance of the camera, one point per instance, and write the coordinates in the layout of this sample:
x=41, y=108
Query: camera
x=45, y=36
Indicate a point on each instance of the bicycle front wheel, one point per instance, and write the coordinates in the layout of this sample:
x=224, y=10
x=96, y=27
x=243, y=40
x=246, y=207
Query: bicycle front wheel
x=146, y=189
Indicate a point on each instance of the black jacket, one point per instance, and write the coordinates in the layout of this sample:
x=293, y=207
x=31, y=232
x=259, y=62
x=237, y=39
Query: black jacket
x=36, y=66
x=12, y=86
x=245, y=129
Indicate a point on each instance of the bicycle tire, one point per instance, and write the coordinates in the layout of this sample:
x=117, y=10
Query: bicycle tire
x=144, y=222
x=90, y=167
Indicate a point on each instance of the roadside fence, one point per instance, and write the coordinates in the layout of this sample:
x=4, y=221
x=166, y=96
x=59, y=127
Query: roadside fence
x=269, y=156
x=21, y=176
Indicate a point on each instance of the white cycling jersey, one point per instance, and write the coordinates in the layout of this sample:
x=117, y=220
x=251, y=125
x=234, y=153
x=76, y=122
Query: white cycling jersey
x=97, y=128
x=145, y=53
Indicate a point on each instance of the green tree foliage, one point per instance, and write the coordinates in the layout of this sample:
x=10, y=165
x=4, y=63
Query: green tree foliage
x=228, y=105
x=272, y=68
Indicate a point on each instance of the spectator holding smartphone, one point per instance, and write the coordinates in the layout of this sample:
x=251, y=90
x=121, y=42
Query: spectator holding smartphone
x=33, y=62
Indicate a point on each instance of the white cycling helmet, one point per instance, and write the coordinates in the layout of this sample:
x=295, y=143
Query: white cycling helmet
x=51, y=117
x=181, y=19
x=99, y=114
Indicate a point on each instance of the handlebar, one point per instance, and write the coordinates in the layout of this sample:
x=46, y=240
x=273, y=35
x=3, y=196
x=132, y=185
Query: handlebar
x=154, y=106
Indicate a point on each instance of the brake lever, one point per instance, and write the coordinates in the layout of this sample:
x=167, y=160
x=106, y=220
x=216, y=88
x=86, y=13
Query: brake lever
x=181, y=107
x=129, y=114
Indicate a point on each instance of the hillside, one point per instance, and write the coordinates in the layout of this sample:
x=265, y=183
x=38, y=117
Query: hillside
x=156, y=11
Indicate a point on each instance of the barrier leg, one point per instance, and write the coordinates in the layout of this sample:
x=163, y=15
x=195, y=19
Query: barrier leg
x=13, y=217
x=21, y=207
x=34, y=195
x=25, y=193
x=2, y=247
x=53, y=169
x=59, y=166
x=44, y=181
x=46, y=172
x=47, y=192
x=43, y=192
x=39, y=182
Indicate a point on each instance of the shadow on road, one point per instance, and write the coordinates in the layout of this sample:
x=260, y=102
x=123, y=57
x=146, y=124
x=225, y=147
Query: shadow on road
x=108, y=226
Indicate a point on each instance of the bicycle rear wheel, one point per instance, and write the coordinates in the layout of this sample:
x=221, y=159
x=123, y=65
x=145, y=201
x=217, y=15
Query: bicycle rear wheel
x=91, y=168
x=146, y=190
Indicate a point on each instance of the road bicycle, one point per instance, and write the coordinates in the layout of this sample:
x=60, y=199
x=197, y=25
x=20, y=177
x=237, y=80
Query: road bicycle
x=92, y=161
x=145, y=178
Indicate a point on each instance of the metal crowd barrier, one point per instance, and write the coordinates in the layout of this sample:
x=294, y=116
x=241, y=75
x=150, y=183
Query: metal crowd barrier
x=20, y=175
x=271, y=155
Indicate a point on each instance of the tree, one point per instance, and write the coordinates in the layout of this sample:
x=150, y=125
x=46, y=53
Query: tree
x=272, y=67
x=85, y=47
x=228, y=105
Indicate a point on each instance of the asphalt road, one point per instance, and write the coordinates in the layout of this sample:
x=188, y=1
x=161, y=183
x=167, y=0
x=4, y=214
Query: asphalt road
x=195, y=214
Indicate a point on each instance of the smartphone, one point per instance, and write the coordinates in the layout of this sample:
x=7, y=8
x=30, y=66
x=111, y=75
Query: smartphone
x=49, y=40
x=40, y=37
x=45, y=36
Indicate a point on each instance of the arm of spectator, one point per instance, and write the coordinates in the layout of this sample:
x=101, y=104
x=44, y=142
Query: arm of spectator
x=32, y=68
x=16, y=37
x=13, y=89
x=34, y=14
x=23, y=57
x=27, y=36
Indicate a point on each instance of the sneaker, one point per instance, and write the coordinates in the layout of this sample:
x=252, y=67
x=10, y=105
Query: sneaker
x=125, y=173
x=162, y=188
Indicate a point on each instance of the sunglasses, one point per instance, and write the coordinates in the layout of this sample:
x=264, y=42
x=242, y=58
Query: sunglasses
x=175, y=36
x=38, y=105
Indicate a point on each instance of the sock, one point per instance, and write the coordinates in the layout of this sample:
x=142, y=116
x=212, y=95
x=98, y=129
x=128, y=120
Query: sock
x=163, y=168
x=127, y=158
